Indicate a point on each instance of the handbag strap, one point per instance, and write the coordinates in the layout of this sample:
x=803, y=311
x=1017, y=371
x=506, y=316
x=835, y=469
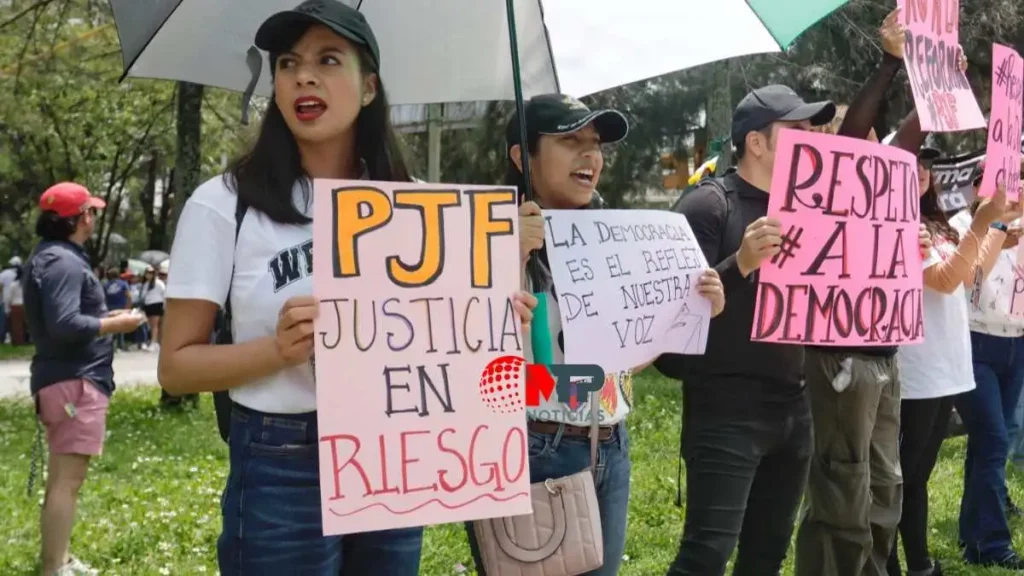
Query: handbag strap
x=595, y=415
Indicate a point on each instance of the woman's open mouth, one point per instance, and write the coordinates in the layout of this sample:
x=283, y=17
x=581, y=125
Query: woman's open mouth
x=309, y=108
x=583, y=177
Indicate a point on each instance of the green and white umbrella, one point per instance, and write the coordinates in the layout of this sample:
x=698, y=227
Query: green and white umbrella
x=458, y=50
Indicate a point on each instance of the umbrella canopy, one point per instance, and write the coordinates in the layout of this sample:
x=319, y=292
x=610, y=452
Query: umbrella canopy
x=154, y=257
x=137, y=267
x=458, y=50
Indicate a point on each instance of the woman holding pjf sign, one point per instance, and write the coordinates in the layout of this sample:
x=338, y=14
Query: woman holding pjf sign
x=564, y=141
x=328, y=119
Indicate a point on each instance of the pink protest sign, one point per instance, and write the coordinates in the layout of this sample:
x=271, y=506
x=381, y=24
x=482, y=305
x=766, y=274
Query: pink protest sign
x=942, y=94
x=848, y=272
x=1002, y=157
x=414, y=283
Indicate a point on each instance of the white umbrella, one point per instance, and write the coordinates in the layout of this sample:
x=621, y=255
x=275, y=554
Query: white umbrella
x=458, y=50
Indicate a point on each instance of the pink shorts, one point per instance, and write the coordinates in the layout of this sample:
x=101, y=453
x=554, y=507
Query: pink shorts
x=74, y=413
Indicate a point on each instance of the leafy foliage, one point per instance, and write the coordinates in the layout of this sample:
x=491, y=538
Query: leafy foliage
x=64, y=116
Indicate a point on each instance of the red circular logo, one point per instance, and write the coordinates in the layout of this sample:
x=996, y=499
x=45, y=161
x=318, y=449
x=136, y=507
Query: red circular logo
x=501, y=384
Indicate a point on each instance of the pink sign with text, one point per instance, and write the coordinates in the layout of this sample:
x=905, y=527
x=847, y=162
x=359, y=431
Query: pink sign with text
x=415, y=287
x=1002, y=156
x=943, y=97
x=848, y=272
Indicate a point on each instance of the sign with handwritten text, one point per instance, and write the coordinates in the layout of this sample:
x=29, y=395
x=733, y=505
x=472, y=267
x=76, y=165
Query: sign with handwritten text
x=415, y=303
x=848, y=272
x=626, y=282
x=942, y=94
x=1017, y=297
x=1002, y=164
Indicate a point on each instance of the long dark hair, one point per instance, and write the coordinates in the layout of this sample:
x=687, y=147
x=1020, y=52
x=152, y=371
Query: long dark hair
x=934, y=218
x=265, y=176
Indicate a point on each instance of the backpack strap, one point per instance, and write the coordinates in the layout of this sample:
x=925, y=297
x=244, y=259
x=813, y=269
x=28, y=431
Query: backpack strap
x=222, y=399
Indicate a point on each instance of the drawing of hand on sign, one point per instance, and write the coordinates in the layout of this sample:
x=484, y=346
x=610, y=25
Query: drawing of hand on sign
x=628, y=285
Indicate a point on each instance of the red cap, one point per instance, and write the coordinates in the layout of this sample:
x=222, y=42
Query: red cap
x=68, y=199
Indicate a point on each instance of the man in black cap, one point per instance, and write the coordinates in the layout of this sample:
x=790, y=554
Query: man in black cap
x=747, y=437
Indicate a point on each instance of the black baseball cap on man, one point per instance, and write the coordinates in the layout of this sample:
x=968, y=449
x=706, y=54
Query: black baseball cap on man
x=928, y=155
x=776, y=103
x=342, y=19
x=550, y=114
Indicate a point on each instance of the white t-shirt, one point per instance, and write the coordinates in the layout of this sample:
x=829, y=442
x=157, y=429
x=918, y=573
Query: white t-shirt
x=7, y=277
x=13, y=296
x=993, y=317
x=941, y=365
x=272, y=263
x=616, y=396
x=154, y=295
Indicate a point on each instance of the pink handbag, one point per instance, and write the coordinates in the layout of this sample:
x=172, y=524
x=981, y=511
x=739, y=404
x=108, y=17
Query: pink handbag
x=563, y=535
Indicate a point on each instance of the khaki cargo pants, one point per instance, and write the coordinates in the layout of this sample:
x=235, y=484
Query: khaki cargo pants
x=855, y=489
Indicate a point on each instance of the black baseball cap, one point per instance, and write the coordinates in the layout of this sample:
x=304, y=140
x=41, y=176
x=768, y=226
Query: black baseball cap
x=344, y=20
x=776, y=103
x=560, y=114
x=928, y=155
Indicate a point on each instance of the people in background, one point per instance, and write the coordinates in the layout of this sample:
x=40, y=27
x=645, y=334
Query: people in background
x=747, y=437
x=119, y=297
x=934, y=372
x=14, y=307
x=72, y=375
x=997, y=351
x=153, y=289
x=7, y=276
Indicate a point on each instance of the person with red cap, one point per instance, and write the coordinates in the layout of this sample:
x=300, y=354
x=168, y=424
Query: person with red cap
x=72, y=374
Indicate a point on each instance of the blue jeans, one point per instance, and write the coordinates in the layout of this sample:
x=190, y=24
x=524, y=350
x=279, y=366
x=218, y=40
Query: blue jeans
x=557, y=455
x=986, y=410
x=272, y=515
x=1015, y=431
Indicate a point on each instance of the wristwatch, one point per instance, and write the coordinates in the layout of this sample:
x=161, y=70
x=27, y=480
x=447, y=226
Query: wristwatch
x=999, y=226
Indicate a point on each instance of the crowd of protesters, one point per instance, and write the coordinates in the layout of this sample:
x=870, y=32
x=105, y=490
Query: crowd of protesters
x=836, y=444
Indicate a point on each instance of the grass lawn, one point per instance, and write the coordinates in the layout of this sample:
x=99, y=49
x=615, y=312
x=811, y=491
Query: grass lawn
x=150, y=505
x=8, y=352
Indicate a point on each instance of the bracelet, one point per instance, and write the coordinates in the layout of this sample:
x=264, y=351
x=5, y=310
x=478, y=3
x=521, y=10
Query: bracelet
x=999, y=226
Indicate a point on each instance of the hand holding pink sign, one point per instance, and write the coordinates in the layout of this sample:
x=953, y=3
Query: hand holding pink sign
x=1003, y=156
x=847, y=271
x=932, y=55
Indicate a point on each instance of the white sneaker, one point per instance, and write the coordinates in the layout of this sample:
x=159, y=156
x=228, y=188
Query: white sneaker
x=76, y=567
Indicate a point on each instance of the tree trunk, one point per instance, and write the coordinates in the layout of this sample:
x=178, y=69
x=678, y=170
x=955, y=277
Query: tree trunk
x=719, y=115
x=187, y=164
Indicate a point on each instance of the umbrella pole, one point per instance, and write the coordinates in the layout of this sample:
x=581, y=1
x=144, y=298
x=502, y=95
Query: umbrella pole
x=517, y=83
x=540, y=335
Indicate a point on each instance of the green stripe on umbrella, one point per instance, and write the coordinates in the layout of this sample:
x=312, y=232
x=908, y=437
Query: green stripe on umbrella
x=787, y=19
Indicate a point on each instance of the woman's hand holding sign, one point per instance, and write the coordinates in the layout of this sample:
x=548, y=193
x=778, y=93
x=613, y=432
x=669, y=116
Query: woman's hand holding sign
x=710, y=287
x=531, y=230
x=894, y=34
x=761, y=240
x=294, y=336
x=524, y=303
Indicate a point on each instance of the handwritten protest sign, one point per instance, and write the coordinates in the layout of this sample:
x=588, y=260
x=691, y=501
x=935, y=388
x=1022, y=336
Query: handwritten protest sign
x=942, y=94
x=1017, y=297
x=627, y=285
x=849, y=267
x=414, y=290
x=1002, y=164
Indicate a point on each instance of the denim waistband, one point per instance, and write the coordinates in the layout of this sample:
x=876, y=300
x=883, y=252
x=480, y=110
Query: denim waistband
x=257, y=421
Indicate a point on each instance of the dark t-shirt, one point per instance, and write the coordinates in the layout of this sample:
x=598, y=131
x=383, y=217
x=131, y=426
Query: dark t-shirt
x=730, y=352
x=117, y=294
